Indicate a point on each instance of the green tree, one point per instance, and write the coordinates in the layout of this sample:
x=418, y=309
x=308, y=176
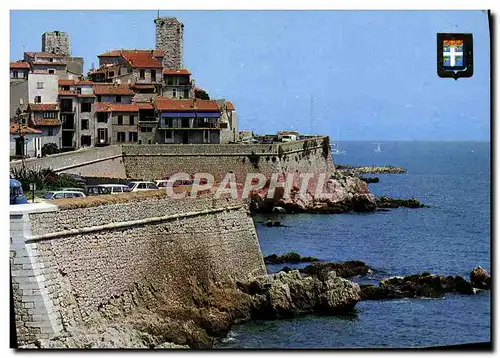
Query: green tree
x=201, y=94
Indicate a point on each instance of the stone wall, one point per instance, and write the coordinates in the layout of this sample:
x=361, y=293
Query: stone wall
x=56, y=42
x=157, y=161
x=101, y=161
x=68, y=264
x=160, y=161
x=169, y=38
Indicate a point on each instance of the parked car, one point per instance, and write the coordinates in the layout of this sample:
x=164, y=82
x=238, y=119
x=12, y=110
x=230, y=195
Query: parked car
x=76, y=178
x=51, y=195
x=73, y=189
x=116, y=188
x=288, y=138
x=16, y=193
x=91, y=190
x=142, y=186
x=162, y=183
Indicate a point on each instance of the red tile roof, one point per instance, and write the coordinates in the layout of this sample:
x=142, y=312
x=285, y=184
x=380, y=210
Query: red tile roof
x=42, y=107
x=74, y=82
x=67, y=93
x=111, y=89
x=139, y=59
x=139, y=86
x=46, y=122
x=167, y=104
x=20, y=64
x=14, y=129
x=116, y=107
x=118, y=53
x=145, y=106
x=229, y=106
x=182, y=71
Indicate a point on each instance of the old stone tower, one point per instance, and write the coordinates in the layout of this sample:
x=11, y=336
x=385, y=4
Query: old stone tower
x=169, y=38
x=56, y=42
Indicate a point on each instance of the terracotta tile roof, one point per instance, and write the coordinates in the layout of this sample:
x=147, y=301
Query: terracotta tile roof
x=145, y=106
x=46, y=122
x=229, y=106
x=167, y=104
x=67, y=93
x=139, y=59
x=74, y=82
x=182, y=71
x=42, y=107
x=116, y=107
x=110, y=89
x=139, y=86
x=43, y=54
x=14, y=129
x=20, y=65
x=118, y=53
x=47, y=63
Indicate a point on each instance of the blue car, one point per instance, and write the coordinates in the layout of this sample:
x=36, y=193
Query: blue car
x=16, y=193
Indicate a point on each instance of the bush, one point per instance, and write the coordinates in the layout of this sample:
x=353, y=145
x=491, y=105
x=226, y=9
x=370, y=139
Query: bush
x=44, y=178
x=50, y=148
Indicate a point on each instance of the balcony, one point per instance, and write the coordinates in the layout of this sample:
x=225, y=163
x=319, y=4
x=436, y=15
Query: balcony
x=195, y=124
x=148, y=120
x=67, y=109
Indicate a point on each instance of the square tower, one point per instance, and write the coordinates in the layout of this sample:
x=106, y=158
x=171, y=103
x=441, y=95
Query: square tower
x=56, y=42
x=169, y=39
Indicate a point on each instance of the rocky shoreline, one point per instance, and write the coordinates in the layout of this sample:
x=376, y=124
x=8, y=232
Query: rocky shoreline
x=321, y=288
x=387, y=169
x=342, y=193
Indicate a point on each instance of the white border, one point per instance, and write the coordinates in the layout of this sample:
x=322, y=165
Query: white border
x=201, y=5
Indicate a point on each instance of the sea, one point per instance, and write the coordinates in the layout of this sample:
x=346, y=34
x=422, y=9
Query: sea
x=451, y=236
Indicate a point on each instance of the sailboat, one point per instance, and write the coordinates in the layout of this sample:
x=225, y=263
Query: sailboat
x=336, y=150
x=378, y=150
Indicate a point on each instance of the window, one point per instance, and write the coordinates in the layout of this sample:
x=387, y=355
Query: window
x=79, y=90
x=170, y=80
x=152, y=186
x=85, y=107
x=120, y=120
x=85, y=140
x=146, y=129
x=174, y=92
x=65, y=88
x=50, y=132
x=141, y=186
x=131, y=120
x=39, y=85
x=149, y=141
x=169, y=135
x=111, y=74
x=140, y=141
x=59, y=196
x=102, y=117
x=99, y=98
x=206, y=136
x=223, y=125
x=118, y=99
x=51, y=72
x=102, y=135
x=129, y=70
x=15, y=74
x=117, y=189
x=85, y=124
x=38, y=99
x=153, y=75
x=142, y=74
x=48, y=115
x=51, y=59
x=132, y=136
x=120, y=137
x=186, y=93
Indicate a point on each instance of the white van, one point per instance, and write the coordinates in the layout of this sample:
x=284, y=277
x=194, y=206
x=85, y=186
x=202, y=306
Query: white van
x=116, y=188
x=142, y=186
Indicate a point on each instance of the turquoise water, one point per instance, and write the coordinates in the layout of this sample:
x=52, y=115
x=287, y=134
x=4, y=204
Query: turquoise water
x=452, y=236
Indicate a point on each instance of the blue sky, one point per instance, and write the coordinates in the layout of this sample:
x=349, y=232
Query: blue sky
x=371, y=74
